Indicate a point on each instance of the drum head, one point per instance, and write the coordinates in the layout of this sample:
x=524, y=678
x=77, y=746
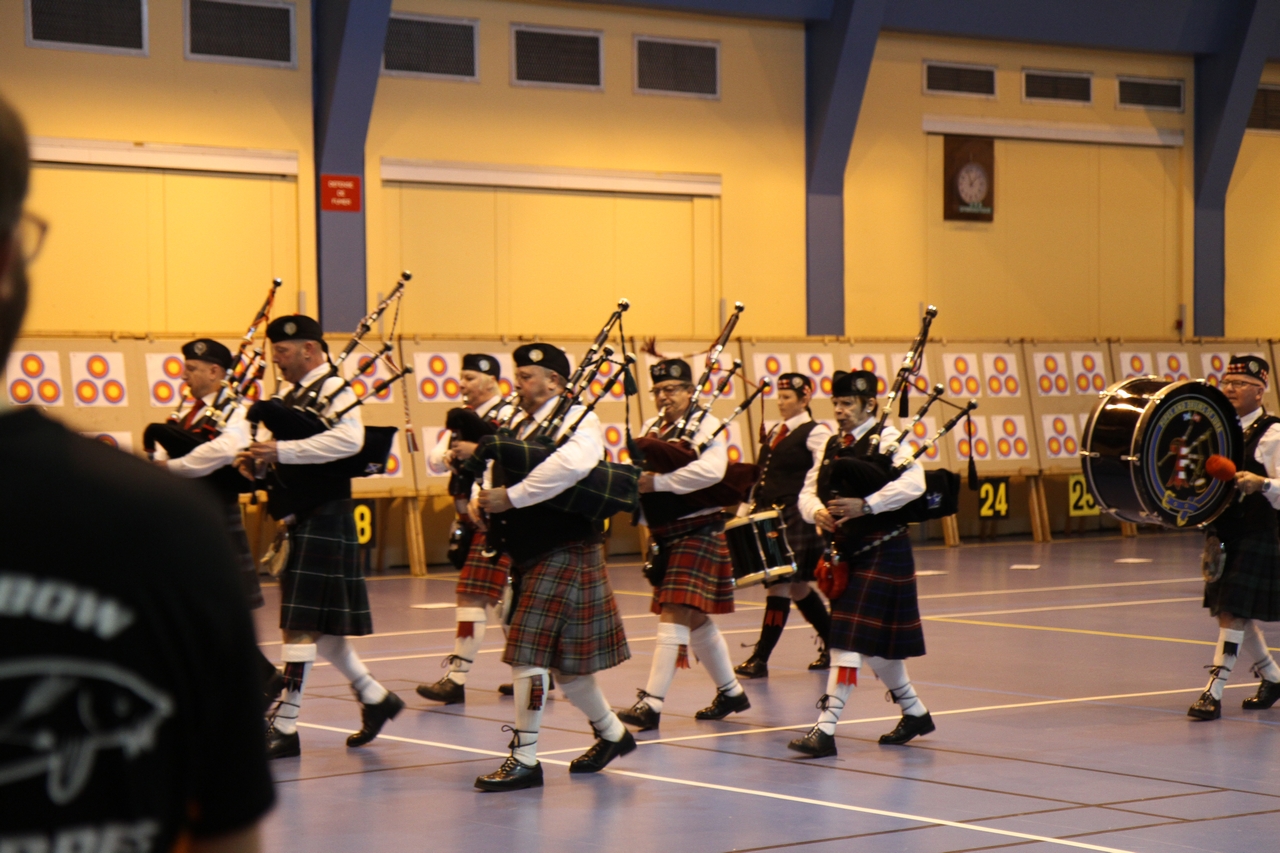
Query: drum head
x=1182, y=426
x=750, y=519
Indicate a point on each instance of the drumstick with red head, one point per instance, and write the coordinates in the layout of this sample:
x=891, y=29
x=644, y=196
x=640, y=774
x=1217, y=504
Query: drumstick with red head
x=1220, y=467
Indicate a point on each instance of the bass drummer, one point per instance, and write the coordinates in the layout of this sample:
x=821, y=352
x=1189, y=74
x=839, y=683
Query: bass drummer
x=787, y=453
x=1248, y=590
x=696, y=575
x=876, y=615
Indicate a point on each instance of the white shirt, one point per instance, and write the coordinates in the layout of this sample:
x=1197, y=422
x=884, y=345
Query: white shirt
x=895, y=495
x=1268, y=453
x=567, y=465
x=212, y=455
x=344, y=440
x=703, y=472
x=436, y=459
x=816, y=442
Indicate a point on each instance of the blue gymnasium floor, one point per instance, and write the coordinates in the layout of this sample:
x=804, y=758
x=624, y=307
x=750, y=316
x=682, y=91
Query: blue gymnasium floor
x=1060, y=696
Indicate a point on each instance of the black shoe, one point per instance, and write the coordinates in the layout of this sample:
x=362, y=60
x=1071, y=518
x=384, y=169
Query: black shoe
x=511, y=776
x=282, y=745
x=816, y=744
x=724, y=705
x=1206, y=707
x=640, y=714
x=601, y=753
x=373, y=717
x=1268, y=693
x=445, y=690
x=753, y=667
x=506, y=690
x=909, y=727
x=823, y=661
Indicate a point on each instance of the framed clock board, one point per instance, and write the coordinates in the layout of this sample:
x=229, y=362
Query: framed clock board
x=968, y=178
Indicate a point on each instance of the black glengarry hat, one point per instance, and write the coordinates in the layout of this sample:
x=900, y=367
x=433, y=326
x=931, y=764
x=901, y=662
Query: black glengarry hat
x=797, y=382
x=671, y=369
x=1250, y=365
x=482, y=363
x=542, y=355
x=207, y=349
x=294, y=327
x=859, y=383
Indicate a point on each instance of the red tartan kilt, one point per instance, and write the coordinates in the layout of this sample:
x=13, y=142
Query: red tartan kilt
x=567, y=618
x=698, y=575
x=480, y=575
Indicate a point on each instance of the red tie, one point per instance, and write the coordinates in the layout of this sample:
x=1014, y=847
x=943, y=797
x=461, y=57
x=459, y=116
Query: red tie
x=846, y=439
x=777, y=439
x=196, y=406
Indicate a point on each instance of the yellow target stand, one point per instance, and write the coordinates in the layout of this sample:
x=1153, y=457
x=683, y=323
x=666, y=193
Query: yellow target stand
x=413, y=537
x=1039, y=509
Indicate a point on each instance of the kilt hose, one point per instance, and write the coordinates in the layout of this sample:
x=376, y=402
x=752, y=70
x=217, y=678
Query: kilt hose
x=480, y=575
x=698, y=572
x=322, y=587
x=878, y=613
x=244, y=556
x=566, y=618
x=806, y=544
x=1250, y=584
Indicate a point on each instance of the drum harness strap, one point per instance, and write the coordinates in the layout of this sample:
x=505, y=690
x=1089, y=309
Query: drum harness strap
x=875, y=543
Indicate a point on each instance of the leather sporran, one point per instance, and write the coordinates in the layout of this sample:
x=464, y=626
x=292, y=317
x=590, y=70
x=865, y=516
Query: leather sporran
x=277, y=556
x=832, y=578
x=655, y=568
x=1214, y=558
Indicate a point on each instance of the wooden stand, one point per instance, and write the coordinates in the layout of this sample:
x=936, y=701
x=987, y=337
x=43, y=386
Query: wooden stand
x=950, y=531
x=1128, y=529
x=417, y=545
x=1039, y=509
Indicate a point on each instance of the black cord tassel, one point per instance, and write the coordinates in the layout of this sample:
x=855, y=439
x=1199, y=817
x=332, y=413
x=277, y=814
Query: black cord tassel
x=973, y=467
x=904, y=407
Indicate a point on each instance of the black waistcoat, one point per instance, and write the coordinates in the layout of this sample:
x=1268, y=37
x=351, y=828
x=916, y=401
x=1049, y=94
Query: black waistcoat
x=299, y=489
x=783, y=468
x=835, y=447
x=1254, y=513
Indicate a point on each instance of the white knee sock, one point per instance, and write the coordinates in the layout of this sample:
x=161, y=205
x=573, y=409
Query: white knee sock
x=529, y=705
x=1254, y=650
x=587, y=697
x=665, y=656
x=338, y=651
x=841, y=680
x=466, y=644
x=893, y=673
x=1224, y=660
x=297, y=659
x=709, y=646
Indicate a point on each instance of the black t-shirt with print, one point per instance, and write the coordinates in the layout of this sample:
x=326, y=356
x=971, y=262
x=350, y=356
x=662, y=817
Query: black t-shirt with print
x=129, y=708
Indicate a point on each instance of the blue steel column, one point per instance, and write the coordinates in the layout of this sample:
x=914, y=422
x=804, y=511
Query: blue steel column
x=838, y=54
x=1226, y=82
x=347, y=41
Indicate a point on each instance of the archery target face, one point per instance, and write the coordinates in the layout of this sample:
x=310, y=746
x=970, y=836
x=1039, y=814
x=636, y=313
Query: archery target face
x=771, y=365
x=1051, y=374
x=874, y=362
x=1214, y=365
x=370, y=378
x=1173, y=366
x=164, y=379
x=733, y=439
x=919, y=381
x=1060, y=437
x=920, y=433
x=615, y=442
x=1011, y=439
x=97, y=379
x=34, y=378
x=961, y=375
x=1136, y=364
x=975, y=439
x=1001, y=369
x=395, y=462
x=118, y=440
x=431, y=436
x=1088, y=375
x=818, y=366
x=607, y=371
x=436, y=375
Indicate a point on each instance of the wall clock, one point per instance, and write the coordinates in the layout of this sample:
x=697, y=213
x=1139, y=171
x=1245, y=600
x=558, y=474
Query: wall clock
x=968, y=186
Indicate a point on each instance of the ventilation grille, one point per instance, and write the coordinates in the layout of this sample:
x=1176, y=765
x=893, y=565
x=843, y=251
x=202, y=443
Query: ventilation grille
x=1156, y=94
x=557, y=58
x=438, y=48
x=680, y=67
x=1043, y=86
x=244, y=31
x=959, y=79
x=1265, y=114
x=112, y=24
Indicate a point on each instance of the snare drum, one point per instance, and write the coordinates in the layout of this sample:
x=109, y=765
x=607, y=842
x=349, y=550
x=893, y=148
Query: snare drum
x=758, y=549
x=1145, y=445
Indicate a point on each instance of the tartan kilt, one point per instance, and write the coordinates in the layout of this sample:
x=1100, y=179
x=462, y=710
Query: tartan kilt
x=806, y=544
x=698, y=572
x=244, y=557
x=480, y=575
x=1250, y=584
x=878, y=613
x=322, y=587
x=566, y=617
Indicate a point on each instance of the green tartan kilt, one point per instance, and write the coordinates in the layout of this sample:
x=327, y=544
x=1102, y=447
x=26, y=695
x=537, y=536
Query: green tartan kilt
x=566, y=617
x=1250, y=584
x=322, y=587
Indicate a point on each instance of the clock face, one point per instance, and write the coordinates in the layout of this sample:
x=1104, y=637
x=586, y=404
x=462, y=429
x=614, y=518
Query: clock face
x=972, y=183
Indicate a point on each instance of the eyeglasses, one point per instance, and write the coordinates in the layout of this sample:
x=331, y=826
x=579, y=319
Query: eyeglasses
x=30, y=235
x=1240, y=383
x=662, y=390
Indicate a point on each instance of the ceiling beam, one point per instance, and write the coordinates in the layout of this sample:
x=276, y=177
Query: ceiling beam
x=787, y=10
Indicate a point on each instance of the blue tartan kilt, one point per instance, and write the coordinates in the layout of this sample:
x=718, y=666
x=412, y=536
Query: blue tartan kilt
x=1250, y=584
x=322, y=587
x=805, y=542
x=878, y=613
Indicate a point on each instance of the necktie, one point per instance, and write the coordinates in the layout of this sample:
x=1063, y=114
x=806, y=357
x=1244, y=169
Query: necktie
x=777, y=439
x=196, y=406
x=846, y=439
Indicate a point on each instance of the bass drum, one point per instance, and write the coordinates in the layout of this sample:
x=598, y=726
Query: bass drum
x=1145, y=446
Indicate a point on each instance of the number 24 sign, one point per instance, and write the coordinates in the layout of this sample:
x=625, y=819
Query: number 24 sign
x=993, y=498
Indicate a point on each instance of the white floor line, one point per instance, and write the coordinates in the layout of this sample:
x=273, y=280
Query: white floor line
x=671, y=780
x=1059, y=588
x=1068, y=607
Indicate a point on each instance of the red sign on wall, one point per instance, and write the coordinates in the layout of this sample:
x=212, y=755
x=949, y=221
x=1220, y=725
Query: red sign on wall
x=340, y=192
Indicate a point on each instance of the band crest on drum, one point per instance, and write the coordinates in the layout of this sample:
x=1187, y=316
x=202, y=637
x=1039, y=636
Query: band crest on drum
x=1179, y=443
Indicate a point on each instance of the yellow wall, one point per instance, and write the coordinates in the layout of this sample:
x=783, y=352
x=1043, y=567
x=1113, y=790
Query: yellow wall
x=753, y=136
x=145, y=250
x=1088, y=240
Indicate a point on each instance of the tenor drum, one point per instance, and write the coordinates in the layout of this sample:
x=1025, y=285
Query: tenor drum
x=1145, y=446
x=758, y=549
